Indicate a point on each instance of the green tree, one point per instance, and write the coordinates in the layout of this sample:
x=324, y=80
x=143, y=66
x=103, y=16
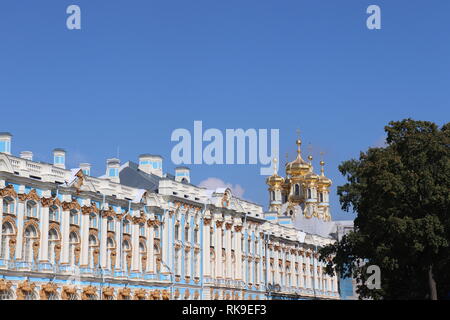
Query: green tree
x=401, y=194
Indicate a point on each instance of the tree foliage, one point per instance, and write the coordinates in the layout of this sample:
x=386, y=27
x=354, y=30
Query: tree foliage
x=401, y=194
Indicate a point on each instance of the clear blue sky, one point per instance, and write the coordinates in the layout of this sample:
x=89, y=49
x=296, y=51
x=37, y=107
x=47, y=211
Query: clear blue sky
x=139, y=69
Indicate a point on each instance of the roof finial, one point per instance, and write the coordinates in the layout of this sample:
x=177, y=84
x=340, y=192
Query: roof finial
x=275, y=169
x=322, y=163
x=298, y=142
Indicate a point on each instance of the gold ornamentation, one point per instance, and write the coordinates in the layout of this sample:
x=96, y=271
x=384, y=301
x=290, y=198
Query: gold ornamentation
x=5, y=285
x=48, y=289
x=73, y=205
x=8, y=191
x=140, y=294
x=186, y=294
x=67, y=291
x=219, y=223
x=88, y=291
x=177, y=294
x=12, y=247
x=24, y=288
x=108, y=293
x=228, y=225
x=207, y=221
x=123, y=293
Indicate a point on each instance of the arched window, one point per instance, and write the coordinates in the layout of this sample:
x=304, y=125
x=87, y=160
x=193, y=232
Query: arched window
x=110, y=246
x=297, y=190
x=7, y=234
x=93, y=221
x=309, y=193
x=177, y=231
x=111, y=224
x=53, y=214
x=73, y=242
x=142, y=255
x=8, y=205
x=32, y=209
x=156, y=258
x=196, y=235
x=177, y=263
x=92, y=247
x=126, y=227
x=30, y=236
x=53, y=238
x=126, y=249
x=141, y=230
x=74, y=217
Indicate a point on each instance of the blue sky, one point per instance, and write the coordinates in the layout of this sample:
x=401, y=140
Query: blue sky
x=140, y=69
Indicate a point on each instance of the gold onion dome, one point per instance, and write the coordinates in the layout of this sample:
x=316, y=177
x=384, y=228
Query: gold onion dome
x=311, y=175
x=298, y=167
x=322, y=179
x=274, y=179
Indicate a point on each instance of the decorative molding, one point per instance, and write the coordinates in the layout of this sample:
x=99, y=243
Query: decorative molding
x=48, y=289
x=8, y=191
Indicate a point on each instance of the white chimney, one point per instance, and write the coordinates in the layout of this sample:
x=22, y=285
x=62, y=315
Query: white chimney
x=151, y=164
x=5, y=142
x=27, y=155
x=112, y=169
x=182, y=174
x=86, y=168
x=59, y=158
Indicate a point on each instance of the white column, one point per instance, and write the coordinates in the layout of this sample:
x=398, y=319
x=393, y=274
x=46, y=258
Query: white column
x=218, y=248
x=228, y=267
x=150, y=250
x=20, y=217
x=103, y=236
x=118, y=238
x=84, y=259
x=65, y=230
x=238, y=253
x=165, y=246
x=43, y=250
x=206, y=248
x=135, y=247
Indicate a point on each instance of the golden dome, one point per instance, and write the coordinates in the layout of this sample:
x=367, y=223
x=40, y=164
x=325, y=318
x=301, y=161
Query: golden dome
x=298, y=167
x=274, y=179
x=322, y=179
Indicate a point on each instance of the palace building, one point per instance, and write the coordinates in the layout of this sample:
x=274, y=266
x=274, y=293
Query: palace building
x=138, y=232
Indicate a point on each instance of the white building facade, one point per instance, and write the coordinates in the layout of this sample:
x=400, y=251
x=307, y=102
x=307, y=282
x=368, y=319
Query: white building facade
x=139, y=233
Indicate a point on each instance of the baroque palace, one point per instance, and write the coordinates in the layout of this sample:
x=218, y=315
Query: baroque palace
x=139, y=233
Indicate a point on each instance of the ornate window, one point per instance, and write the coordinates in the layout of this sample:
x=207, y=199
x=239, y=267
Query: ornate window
x=53, y=214
x=196, y=235
x=309, y=193
x=126, y=226
x=30, y=237
x=110, y=246
x=142, y=256
x=74, y=217
x=73, y=242
x=32, y=209
x=7, y=234
x=157, y=258
x=93, y=221
x=92, y=246
x=110, y=224
x=176, y=232
x=321, y=197
x=8, y=205
x=126, y=250
x=53, y=239
x=297, y=190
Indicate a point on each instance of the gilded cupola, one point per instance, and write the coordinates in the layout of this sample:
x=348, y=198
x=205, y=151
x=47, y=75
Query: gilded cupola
x=323, y=181
x=298, y=167
x=275, y=181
